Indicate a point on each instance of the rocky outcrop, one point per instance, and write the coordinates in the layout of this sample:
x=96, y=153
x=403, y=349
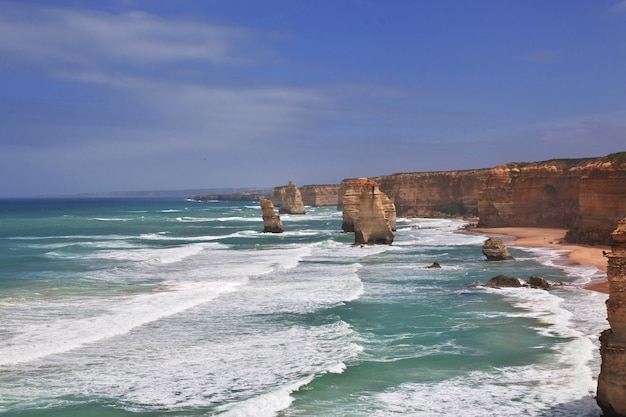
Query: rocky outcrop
x=612, y=379
x=501, y=281
x=288, y=199
x=538, y=282
x=368, y=213
x=320, y=195
x=351, y=203
x=271, y=220
x=495, y=250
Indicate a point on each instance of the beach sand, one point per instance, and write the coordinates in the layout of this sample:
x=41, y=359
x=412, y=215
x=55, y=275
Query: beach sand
x=554, y=238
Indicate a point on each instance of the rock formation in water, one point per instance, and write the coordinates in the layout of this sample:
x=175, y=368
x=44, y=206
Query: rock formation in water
x=501, y=281
x=320, y=195
x=612, y=380
x=495, y=250
x=288, y=199
x=586, y=196
x=271, y=220
x=368, y=213
x=351, y=201
x=538, y=282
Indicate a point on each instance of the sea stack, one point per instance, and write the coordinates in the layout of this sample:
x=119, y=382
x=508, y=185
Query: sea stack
x=271, y=220
x=495, y=250
x=612, y=379
x=288, y=199
x=369, y=213
x=351, y=201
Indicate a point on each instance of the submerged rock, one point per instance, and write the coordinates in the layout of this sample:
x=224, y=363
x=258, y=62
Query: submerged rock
x=435, y=265
x=495, y=250
x=538, y=282
x=501, y=281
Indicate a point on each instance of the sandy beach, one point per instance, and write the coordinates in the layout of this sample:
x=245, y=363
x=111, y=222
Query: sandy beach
x=554, y=238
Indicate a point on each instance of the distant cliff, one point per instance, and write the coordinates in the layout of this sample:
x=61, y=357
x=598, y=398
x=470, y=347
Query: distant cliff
x=320, y=195
x=586, y=196
x=434, y=194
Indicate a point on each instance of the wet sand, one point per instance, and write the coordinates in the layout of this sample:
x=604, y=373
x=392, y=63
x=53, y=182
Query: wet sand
x=554, y=238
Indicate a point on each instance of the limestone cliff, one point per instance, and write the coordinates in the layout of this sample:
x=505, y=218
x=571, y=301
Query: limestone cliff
x=586, y=196
x=366, y=211
x=612, y=379
x=288, y=199
x=271, y=220
x=320, y=195
x=542, y=194
x=434, y=194
x=602, y=199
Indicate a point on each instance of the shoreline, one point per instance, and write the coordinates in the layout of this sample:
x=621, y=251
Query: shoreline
x=535, y=237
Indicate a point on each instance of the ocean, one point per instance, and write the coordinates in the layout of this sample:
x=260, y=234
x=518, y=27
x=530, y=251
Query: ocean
x=168, y=307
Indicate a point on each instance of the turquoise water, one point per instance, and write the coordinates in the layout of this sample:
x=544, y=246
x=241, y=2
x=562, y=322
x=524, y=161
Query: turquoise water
x=166, y=307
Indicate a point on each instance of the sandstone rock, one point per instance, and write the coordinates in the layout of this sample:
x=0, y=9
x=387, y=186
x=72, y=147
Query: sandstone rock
x=495, y=250
x=586, y=196
x=292, y=201
x=435, y=194
x=320, y=195
x=367, y=213
x=271, y=220
x=351, y=201
x=501, y=281
x=538, y=282
x=612, y=379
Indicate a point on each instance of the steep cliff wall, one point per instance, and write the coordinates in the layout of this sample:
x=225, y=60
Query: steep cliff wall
x=602, y=199
x=434, y=194
x=320, y=195
x=612, y=379
x=541, y=194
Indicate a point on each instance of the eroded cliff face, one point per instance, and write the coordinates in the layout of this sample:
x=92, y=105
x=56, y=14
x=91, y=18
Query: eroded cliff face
x=602, y=200
x=612, y=379
x=434, y=194
x=320, y=195
x=543, y=194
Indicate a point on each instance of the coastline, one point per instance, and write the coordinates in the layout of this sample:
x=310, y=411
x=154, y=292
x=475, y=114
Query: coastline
x=536, y=237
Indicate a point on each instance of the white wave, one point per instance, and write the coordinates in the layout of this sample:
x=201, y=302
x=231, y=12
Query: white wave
x=36, y=341
x=264, y=405
x=218, y=219
x=555, y=258
x=111, y=219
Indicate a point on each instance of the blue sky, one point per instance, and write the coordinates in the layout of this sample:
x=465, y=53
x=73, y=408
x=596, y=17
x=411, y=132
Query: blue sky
x=124, y=95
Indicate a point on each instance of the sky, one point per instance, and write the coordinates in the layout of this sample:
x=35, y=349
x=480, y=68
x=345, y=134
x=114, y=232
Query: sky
x=129, y=95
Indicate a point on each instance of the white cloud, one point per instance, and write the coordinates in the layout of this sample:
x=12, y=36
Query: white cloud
x=62, y=39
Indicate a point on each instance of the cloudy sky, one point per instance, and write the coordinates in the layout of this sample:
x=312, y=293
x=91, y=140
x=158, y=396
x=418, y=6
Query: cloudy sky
x=121, y=95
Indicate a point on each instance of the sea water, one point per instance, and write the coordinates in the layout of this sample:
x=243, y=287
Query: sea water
x=168, y=307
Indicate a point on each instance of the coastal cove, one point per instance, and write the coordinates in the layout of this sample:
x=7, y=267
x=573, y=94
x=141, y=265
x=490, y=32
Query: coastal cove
x=150, y=307
x=533, y=237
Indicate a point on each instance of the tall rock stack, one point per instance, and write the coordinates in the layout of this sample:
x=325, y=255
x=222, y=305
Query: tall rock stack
x=271, y=220
x=612, y=380
x=368, y=213
x=288, y=199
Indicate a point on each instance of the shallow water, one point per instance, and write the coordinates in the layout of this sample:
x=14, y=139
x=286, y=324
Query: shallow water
x=153, y=307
